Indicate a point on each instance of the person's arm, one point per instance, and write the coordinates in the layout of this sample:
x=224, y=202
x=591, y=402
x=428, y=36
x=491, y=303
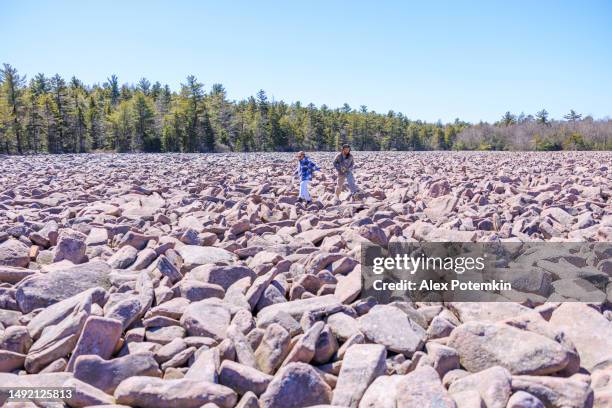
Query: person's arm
x=337, y=163
x=351, y=163
x=313, y=166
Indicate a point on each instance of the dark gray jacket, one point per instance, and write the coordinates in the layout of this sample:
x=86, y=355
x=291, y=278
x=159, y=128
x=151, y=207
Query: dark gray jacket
x=344, y=164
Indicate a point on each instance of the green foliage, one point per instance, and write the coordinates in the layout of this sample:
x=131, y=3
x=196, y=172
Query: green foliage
x=574, y=141
x=542, y=144
x=51, y=115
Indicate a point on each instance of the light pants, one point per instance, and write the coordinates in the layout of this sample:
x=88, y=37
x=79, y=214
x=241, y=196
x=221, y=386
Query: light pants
x=304, y=190
x=349, y=179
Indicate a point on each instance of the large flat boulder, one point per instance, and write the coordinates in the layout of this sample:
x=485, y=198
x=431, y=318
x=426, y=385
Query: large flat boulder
x=45, y=289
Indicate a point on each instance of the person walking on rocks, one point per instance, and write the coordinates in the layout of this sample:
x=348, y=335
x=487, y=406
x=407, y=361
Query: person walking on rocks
x=344, y=164
x=305, y=170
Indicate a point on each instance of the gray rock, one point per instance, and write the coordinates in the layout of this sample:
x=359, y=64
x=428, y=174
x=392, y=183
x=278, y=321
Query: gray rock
x=14, y=253
x=522, y=399
x=588, y=330
x=389, y=326
x=382, y=393
x=555, y=392
x=99, y=337
x=224, y=276
x=108, y=374
x=123, y=258
x=242, y=378
x=206, y=319
x=154, y=392
x=361, y=365
x=422, y=386
x=485, y=345
x=194, y=256
x=70, y=246
x=492, y=384
x=296, y=385
x=273, y=348
x=42, y=290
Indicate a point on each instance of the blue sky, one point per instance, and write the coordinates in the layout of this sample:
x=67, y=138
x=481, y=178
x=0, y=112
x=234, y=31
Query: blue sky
x=430, y=60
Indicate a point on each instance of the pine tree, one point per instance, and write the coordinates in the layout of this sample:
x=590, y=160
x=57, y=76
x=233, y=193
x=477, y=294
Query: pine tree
x=113, y=88
x=11, y=84
x=192, y=96
x=573, y=116
x=143, y=116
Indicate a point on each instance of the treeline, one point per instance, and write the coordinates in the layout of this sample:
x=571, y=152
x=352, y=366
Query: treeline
x=55, y=115
x=527, y=132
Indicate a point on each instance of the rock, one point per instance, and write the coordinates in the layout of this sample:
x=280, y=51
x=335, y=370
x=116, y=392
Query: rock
x=55, y=342
x=16, y=339
x=382, y=393
x=59, y=311
x=488, y=312
x=349, y=286
x=492, y=384
x=297, y=308
x=242, y=378
x=194, y=290
x=304, y=349
x=99, y=337
x=14, y=253
x=374, y=234
x=42, y=290
x=206, y=319
x=97, y=236
x=248, y=400
x=125, y=310
x=468, y=399
x=484, y=345
x=12, y=275
x=205, y=366
x=123, y=258
x=296, y=385
x=167, y=351
x=194, y=256
x=273, y=348
x=154, y=392
x=84, y=395
x=555, y=392
x=588, y=330
x=164, y=334
x=10, y=360
x=419, y=388
x=108, y=374
x=391, y=327
x=70, y=246
x=224, y=276
x=178, y=360
x=47, y=235
x=325, y=347
x=439, y=188
x=522, y=399
x=361, y=365
x=343, y=326
x=444, y=358
x=441, y=207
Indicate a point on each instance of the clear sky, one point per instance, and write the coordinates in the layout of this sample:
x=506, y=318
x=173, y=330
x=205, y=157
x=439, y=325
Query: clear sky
x=428, y=59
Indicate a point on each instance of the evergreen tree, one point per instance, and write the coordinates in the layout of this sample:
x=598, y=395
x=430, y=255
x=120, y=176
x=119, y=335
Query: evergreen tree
x=11, y=84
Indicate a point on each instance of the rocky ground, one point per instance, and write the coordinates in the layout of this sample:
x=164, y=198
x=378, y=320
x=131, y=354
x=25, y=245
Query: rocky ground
x=198, y=281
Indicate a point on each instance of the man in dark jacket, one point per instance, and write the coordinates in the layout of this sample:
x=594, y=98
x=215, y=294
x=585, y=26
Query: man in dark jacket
x=344, y=164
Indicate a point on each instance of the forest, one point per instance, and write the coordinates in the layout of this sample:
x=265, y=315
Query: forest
x=50, y=114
